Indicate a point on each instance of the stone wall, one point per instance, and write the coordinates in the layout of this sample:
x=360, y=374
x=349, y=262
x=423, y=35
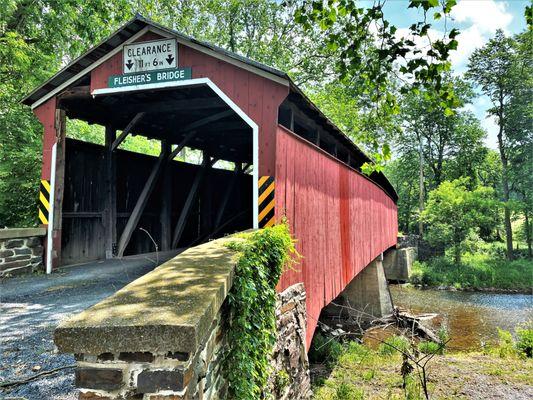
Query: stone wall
x=21, y=250
x=162, y=337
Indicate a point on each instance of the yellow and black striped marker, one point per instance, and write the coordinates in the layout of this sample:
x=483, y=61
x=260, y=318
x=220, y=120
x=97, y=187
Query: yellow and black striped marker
x=266, y=201
x=44, y=201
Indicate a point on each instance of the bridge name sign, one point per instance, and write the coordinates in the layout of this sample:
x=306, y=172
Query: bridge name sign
x=146, y=78
x=149, y=56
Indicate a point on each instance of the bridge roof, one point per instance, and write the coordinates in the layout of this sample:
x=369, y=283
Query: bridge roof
x=87, y=61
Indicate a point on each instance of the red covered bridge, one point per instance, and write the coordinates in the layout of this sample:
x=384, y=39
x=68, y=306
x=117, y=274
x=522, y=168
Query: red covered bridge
x=286, y=159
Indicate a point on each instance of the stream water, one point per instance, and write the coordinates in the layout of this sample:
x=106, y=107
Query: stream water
x=472, y=318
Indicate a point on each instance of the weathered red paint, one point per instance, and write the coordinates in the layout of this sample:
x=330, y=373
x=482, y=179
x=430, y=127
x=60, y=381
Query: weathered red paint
x=340, y=219
x=46, y=114
x=256, y=96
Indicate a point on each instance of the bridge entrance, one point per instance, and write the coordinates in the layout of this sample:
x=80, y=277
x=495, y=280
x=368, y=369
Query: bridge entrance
x=118, y=203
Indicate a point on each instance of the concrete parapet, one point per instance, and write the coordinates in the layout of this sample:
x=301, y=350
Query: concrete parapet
x=164, y=335
x=397, y=263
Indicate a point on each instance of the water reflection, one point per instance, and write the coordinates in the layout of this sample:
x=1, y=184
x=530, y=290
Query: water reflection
x=472, y=318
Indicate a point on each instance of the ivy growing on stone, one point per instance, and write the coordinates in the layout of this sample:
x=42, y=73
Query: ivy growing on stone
x=251, y=334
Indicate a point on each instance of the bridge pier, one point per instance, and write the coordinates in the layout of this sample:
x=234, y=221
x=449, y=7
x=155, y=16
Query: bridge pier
x=364, y=299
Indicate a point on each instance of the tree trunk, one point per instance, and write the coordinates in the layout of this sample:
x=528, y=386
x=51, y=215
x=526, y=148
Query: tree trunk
x=528, y=234
x=457, y=253
x=505, y=183
x=421, y=187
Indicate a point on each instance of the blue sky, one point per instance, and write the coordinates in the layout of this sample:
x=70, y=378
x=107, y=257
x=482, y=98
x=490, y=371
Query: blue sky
x=477, y=20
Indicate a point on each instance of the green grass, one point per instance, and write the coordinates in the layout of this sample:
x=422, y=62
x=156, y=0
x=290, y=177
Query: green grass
x=360, y=372
x=483, y=269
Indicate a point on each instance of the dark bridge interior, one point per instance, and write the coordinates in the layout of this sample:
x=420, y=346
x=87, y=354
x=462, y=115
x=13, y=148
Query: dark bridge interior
x=121, y=203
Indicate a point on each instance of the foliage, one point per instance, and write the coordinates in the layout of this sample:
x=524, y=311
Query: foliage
x=372, y=58
x=393, y=345
x=252, y=301
x=453, y=211
x=524, y=342
x=480, y=270
x=324, y=349
x=502, y=69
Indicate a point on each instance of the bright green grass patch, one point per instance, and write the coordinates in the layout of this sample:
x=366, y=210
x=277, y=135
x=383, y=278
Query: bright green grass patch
x=480, y=270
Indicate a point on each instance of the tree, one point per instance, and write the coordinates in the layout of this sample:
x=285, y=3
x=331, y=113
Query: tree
x=433, y=147
x=493, y=68
x=453, y=211
x=372, y=58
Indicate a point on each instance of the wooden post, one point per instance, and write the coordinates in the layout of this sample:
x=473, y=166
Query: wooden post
x=139, y=206
x=110, y=212
x=227, y=195
x=165, y=217
x=178, y=230
x=61, y=127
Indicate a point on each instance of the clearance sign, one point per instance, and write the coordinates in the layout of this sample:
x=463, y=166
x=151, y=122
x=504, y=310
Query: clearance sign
x=149, y=62
x=149, y=56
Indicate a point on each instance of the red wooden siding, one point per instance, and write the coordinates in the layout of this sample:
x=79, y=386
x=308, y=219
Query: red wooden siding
x=46, y=114
x=258, y=97
x=340, y=219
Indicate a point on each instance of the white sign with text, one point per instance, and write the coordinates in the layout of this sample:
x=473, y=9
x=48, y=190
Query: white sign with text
x=150, y=56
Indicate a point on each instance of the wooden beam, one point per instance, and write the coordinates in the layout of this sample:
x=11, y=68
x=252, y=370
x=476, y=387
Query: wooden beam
x=59, y=187
x=175, y=105
x=227, y=194
x=204, y=121
x=166, y=200
x=140, y=205
x=178, y=230
x=110, y=211
x=181, y=145
x=127, y=130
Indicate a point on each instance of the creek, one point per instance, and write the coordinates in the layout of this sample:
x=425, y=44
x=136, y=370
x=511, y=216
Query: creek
x=471, y=318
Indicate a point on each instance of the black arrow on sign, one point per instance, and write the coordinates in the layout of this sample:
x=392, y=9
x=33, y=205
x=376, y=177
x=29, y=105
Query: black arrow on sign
x=170, y=59
x=129, y=64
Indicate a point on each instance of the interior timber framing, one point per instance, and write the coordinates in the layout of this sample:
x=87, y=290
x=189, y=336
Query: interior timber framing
x=119, y=203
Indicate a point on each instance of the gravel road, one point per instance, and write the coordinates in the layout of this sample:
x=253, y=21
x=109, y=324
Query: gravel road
x=32, y=306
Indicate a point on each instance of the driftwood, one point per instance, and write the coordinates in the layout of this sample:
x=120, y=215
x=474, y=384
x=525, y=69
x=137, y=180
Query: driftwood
x=404, y=319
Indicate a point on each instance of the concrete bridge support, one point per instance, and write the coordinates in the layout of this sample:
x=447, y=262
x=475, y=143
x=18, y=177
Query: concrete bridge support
x=397, y=263
x=364, y=299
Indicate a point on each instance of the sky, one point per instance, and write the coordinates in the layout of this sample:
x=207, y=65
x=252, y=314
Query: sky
x=477, y=21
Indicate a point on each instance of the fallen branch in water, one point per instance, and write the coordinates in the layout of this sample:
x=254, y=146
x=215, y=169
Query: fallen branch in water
x=33, y=377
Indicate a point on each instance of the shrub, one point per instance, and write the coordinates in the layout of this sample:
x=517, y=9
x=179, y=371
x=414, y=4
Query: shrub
x=347, y=391
x=506, y=346
x=430, y=348
x=524, y=342
x=325, y=350
x=393, y=345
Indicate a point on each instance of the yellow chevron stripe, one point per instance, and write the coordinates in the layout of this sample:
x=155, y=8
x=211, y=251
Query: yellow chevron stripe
x=42, y=217
x=46, y=185
x=271, y=222
x=262, y=180
x=266, y=210
x=44, y=200
x=265, y=194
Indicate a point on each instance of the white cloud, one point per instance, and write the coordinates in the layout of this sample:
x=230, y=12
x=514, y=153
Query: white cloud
x=482, y=18
x=469, y=39
x=486, y=15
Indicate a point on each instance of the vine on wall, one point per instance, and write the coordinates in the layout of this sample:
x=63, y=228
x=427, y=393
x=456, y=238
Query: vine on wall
x=252, y=301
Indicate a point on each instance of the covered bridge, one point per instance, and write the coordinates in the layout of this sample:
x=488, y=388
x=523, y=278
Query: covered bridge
x=288, y=161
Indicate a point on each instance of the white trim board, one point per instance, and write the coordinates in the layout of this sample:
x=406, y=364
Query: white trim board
x=227, y=100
